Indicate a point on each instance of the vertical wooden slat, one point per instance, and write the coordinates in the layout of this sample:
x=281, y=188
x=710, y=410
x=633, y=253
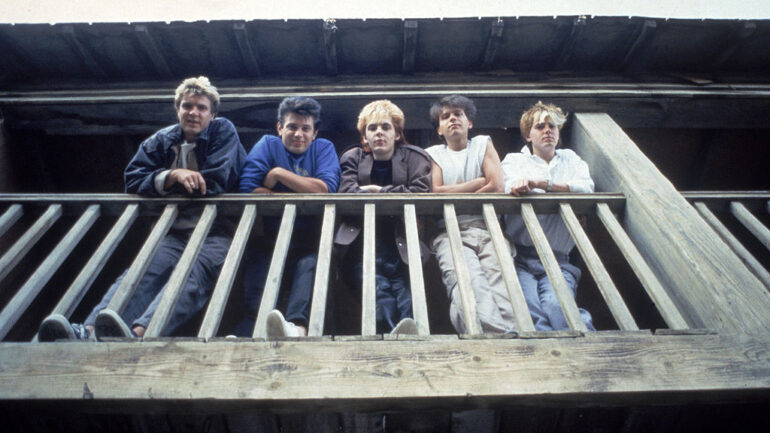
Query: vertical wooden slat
x=751, y=222
x=416, y=281
x=467, y=297
x=216, y=307
x=747, y=258
x=602, y=278
x=654, y=289
x=35, y=283
x=563, y=294
x=128, y=284
x=25, y=243
x=369, y=298
x=10, y=216
x=322, y=270
x=274, y=275
x=508, y=269
x=182, y=270
x=91, y=270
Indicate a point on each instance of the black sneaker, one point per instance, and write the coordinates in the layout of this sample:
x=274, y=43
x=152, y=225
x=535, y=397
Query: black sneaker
x=110, y=324
x=57, y=327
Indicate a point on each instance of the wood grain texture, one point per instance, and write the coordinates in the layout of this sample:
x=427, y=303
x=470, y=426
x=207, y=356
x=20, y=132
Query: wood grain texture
x=708, y=282
x=323, y=269
x=368, y=296
x=604, y=283
x=30, y=237
x=346, y=375
x=9, y=217
x=752, y=223
x=464, y=284
x=416, y=280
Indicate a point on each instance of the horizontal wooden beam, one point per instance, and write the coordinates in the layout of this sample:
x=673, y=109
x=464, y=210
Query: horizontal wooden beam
x=601, y=368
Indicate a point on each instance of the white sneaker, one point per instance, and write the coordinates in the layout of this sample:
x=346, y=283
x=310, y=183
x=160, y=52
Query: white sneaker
x=277, y=326
x=405, y=327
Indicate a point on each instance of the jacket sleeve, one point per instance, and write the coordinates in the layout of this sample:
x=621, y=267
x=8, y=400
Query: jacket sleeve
x=257, y=164
x=144, y=166
x=418, y=166
x=349, y=166
x=223, y=158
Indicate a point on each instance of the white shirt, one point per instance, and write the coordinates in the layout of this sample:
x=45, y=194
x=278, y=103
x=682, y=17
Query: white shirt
x=565, y=167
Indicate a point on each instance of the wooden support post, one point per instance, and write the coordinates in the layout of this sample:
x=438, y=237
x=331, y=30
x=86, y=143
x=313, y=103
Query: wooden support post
x=493, y=43
x=91, y=270
x=417, y=283
x=216, y=308
x=368, y=286
x=322, y=271
x=602, y=278
x=464, y=284
x=568, y=45
x=747, y=258
x=10, y=216
x=410, y=47
x=502, y=248
x=275, y=274
x=330, y=46
x=752, y=223
x=25, y=243
x=68, y=32
x=182, y=270
x=246, y=50
x=35, y=283
x=548, y=259
x=646, y=30
x=709, y=284
x=128, y=284
x=151, y=50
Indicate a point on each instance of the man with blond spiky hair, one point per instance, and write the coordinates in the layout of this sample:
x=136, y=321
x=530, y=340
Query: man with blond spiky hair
x=199, y=156
x=542, y=168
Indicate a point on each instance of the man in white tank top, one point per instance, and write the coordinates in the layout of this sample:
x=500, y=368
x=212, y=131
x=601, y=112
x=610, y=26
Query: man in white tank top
x=469, y=166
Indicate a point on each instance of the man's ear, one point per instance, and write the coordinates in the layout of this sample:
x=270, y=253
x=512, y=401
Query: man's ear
x=470, y=124
x=278, y=127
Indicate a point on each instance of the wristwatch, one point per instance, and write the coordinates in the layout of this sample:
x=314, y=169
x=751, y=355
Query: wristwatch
x=548, y=187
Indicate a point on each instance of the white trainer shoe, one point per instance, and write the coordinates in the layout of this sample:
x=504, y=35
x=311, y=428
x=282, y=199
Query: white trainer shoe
x=277, y=326
x=405, y=327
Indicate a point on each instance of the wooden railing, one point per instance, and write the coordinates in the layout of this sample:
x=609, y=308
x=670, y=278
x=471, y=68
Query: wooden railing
x=742, y=206
x=245, y=209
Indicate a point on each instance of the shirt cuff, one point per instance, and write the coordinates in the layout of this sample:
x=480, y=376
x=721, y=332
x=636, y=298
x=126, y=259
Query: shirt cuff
x=160, y=182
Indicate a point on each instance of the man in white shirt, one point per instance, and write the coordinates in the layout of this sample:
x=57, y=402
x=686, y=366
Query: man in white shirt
x=469, y=166
x=542, y=168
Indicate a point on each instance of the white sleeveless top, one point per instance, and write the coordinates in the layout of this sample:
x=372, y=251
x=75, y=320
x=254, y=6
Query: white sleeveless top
x=460, y=166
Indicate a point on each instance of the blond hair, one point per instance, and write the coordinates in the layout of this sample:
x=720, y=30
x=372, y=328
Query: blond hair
x=376, y=111
x=538, y=113
x=197, y=86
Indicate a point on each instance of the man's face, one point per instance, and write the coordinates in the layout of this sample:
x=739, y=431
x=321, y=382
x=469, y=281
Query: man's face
x=453, y=123
x=544, y=136
x=194, y=115
x=297, y=132
x=381, y=137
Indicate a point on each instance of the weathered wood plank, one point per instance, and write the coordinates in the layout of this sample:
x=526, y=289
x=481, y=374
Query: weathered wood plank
x=464, y=284
x=747, y=258
x=604, y=283
x=10, y=216
x=127, y=286
x=150, y=47
x=330, y=46
x=563, y=294
x=708, y=282
x=216, y=307
x=368, y=289
x=244, y=46
x=493, y=43
x=25, y=243
x=322, y=271
x=410, y=46
x=182, y=270
x=35, y=283
x=646, y=276
x=416, y=280
x=349, y=376
x=515, y=292
x=275, y=274
x=752, y=223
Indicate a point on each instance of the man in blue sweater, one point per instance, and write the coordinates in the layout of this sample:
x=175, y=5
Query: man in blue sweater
x=295, y=161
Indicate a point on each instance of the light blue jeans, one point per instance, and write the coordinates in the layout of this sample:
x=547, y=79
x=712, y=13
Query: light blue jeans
x=541, y=298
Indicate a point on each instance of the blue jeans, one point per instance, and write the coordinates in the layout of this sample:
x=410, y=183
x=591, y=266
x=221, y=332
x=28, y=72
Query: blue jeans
x=300, y=262
x=195, y=292
x=541, y=298
x=394, y=296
